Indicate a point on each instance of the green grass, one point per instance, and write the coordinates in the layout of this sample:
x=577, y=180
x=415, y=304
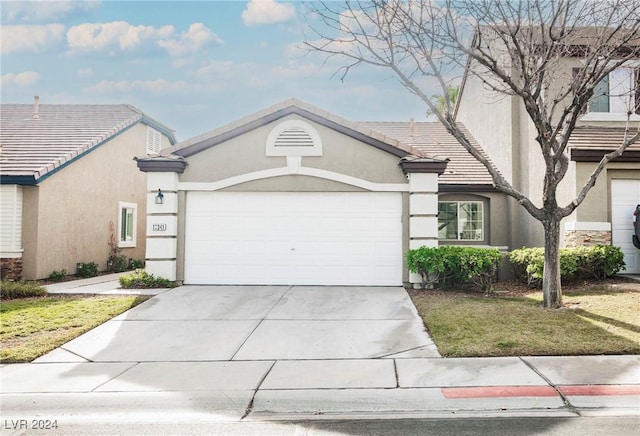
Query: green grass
x=33, y=327
x=594, y=320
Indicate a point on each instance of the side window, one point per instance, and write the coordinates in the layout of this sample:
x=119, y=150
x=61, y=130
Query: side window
x=127, y=225
x=154, y=141
x=461, y=220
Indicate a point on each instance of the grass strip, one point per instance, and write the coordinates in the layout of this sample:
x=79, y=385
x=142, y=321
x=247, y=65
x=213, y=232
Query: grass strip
x=591, y=322
x=32, y=327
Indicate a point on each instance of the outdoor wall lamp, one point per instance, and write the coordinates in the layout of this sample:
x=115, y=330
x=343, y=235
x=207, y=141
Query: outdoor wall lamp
x=160, y=197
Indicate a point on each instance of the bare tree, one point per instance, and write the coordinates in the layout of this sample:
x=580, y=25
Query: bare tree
x=514, y=48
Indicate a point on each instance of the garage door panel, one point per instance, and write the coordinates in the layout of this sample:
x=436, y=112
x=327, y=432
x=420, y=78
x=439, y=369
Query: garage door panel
x=625, y=195
x=293, y=238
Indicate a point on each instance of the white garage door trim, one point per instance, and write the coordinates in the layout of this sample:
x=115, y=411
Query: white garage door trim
x=625, y=195
x=295, y=238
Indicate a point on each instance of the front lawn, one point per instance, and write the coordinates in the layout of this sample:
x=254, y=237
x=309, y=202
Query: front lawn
x=30, y=328
x=595, y=319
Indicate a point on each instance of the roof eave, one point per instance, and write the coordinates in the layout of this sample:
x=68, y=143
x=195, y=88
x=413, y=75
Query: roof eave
x=595, y=155
x=223, y=136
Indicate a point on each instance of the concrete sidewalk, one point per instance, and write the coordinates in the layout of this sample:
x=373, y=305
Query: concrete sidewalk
x=107, y=284
x=205, y=354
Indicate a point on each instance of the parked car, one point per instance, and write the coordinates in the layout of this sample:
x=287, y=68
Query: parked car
x=636, y=227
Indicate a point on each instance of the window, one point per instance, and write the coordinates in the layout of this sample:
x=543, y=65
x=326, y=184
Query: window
x=127, y=225
x=618, y=93
x=154, y=141
x=461, y=220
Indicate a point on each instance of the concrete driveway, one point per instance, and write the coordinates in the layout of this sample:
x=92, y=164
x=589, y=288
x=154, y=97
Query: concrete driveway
x=249, y=323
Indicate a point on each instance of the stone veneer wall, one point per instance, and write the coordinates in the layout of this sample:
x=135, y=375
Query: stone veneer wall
x=577, y=238
x=11, y=268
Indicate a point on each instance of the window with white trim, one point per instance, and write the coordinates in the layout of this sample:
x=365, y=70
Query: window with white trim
x=618, y=93
x=127, y=214
x=154, y=141
x=461, y=220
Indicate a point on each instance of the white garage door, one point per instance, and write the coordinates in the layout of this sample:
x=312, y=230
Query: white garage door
x=625, y=195
x=293, y=238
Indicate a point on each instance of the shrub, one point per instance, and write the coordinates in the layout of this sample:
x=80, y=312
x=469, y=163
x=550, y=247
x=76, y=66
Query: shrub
x=87, y=269
x=117, y=263
x=141, y=279
x=594, y=262
x=57, y=276
x=136, y=263
x=455, y=266
x=11, y=290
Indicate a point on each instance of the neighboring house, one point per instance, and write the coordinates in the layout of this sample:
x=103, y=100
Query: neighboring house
x=296, y=195
x=502, y=127
x=70, y=185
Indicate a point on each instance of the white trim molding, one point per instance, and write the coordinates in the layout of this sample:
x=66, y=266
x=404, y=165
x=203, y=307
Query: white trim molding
x=580, y=226
x=303, y=171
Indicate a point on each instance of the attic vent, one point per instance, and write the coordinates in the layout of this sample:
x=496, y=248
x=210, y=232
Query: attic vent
x=294, y=138
x=154, y=140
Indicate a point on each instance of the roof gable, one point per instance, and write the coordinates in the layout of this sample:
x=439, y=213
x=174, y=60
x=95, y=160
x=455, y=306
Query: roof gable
x=34, y=145
x=292, y=107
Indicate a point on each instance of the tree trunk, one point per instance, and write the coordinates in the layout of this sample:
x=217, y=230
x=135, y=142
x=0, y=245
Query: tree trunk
x=551, y=286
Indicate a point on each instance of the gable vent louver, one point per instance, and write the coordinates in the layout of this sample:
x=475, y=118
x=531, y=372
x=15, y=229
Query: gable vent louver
x=294, y=137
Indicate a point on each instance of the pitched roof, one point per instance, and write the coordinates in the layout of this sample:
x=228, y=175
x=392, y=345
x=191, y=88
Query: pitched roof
x=591, y=143
x=433, y=140
x=291, y=106
x=33, y=146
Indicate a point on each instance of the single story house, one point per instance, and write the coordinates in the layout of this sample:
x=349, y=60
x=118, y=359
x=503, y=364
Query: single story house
x=69, y=185
x=297, y=195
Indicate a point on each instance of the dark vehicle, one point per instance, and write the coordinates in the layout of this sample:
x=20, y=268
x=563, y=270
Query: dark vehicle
x=636, y=227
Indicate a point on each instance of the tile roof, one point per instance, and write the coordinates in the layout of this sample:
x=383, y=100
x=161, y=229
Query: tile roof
x=600, y=138
x=433, y=140
x=32, y=147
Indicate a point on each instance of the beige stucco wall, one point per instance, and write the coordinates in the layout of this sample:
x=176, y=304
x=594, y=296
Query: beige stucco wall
x=67, y=217
x=597, y=205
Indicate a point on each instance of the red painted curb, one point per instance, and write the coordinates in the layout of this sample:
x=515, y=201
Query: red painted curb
x=596, y=390
x=499, y=392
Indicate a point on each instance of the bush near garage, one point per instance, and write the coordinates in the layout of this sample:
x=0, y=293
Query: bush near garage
x=141, y=279
x=595, y=262
x=452, y=266
x=14, y=290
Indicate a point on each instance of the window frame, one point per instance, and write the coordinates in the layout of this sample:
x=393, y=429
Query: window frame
x=634, y=82
x=122, y=208
x=458, y=204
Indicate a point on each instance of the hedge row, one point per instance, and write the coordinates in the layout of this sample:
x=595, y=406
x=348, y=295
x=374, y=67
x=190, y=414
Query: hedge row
x=455, y=266
x=11, y=290
x=598, y=261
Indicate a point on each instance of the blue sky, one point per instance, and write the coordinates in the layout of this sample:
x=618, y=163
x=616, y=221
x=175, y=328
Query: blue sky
x=194, y=66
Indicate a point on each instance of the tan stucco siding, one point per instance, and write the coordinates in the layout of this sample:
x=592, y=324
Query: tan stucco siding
x=597, y=205
x=75, y=206
x=488, y=116
x=240, y=155
x=247, y=153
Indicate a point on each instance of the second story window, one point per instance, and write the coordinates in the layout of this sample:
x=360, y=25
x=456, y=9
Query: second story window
x=618, y=93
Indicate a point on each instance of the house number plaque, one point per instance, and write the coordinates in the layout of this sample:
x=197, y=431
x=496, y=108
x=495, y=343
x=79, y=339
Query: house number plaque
x=159, y=227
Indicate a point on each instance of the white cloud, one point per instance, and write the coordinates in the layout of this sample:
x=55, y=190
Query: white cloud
x=21, y=79
x=157, y=87
x=33, y=38
x=120, y=34
x=212, y=68
x=86, y=72
x=194, y=39
x=267, y=12
x=43, y=11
